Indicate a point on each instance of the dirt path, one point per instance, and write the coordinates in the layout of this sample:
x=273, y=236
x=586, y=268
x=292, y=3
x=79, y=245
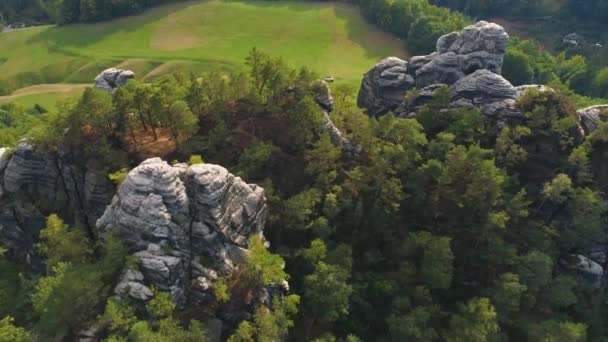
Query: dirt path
x=45, y=88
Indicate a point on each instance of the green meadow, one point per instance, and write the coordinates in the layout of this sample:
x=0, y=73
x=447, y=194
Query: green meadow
x=330, y=38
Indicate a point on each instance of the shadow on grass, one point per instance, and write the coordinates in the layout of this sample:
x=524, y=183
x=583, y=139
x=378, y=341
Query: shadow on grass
x=376, y=43
x=64, y=38
x=296, y=6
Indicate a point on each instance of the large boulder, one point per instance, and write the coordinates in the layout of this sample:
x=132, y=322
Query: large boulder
x=590, y=273
x=477, y=47
x=590, y=116
x=383, y=86
x=489, y=92
x=112, y=78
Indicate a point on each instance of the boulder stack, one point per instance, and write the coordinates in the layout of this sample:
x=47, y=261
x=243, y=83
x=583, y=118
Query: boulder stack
x=185, y=226
x=112, y=78
x=469, y=62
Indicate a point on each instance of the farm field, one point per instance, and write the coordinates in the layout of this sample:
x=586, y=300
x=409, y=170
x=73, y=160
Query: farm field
x=331, y=38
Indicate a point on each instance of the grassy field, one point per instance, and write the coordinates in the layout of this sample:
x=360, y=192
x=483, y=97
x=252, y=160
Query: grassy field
x=331, y=38
x=46, y=95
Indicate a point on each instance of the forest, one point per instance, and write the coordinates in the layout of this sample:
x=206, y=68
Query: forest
x=441, y=229
x=445, y=225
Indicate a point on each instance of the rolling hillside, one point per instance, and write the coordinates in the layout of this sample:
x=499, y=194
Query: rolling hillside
x=333, y=39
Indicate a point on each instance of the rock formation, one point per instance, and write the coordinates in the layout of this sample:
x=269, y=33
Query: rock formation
x=112, y=78
x=590, y=273
x=186, y=226
x=325, y=100
x=33, y=182
x=468, y=62
x=590, y=116
x=384, y=86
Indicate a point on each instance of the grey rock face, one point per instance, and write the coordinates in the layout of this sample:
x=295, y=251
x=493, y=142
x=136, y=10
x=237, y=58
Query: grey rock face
x=20, y=225
x=33, y=173
x=185, y=225
x=225, y=203
x=383, y=86
x=590, y=116
x=469, y=63
x=325, y=100
x=591, y=273
x=489, y=92
x=112, y=78
x=349, y=147
x=442, y=68
x=323, y=95
x=4, y=159
x=130, y=285
x=150, y=206
x=33, y=181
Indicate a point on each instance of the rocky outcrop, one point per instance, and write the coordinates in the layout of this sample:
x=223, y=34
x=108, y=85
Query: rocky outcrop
x=590, y=116
x=383, y=86
x=185, y=226
x=112, y=78
x=489, y=92
x=468, y=62
x=476, y=47
x=32, y=173
x=323, y=97
x=33, y=182
x=590, y=273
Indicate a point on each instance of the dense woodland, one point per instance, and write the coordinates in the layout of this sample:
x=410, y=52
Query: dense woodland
x=595, y=10
x=69, y=11
x=443, y=228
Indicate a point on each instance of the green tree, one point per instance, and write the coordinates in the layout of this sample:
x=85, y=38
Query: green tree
x=327, y=292
x=59, y=243
x=600, y=83
x=554, y=331
x=507, y=294
x=560, y=292
x=10, y=333
x=435, y=258
x=535, y=269
x=119, y=316
x=182, y=122
x=262, y=266
x=475, y=322
x=517, y=67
